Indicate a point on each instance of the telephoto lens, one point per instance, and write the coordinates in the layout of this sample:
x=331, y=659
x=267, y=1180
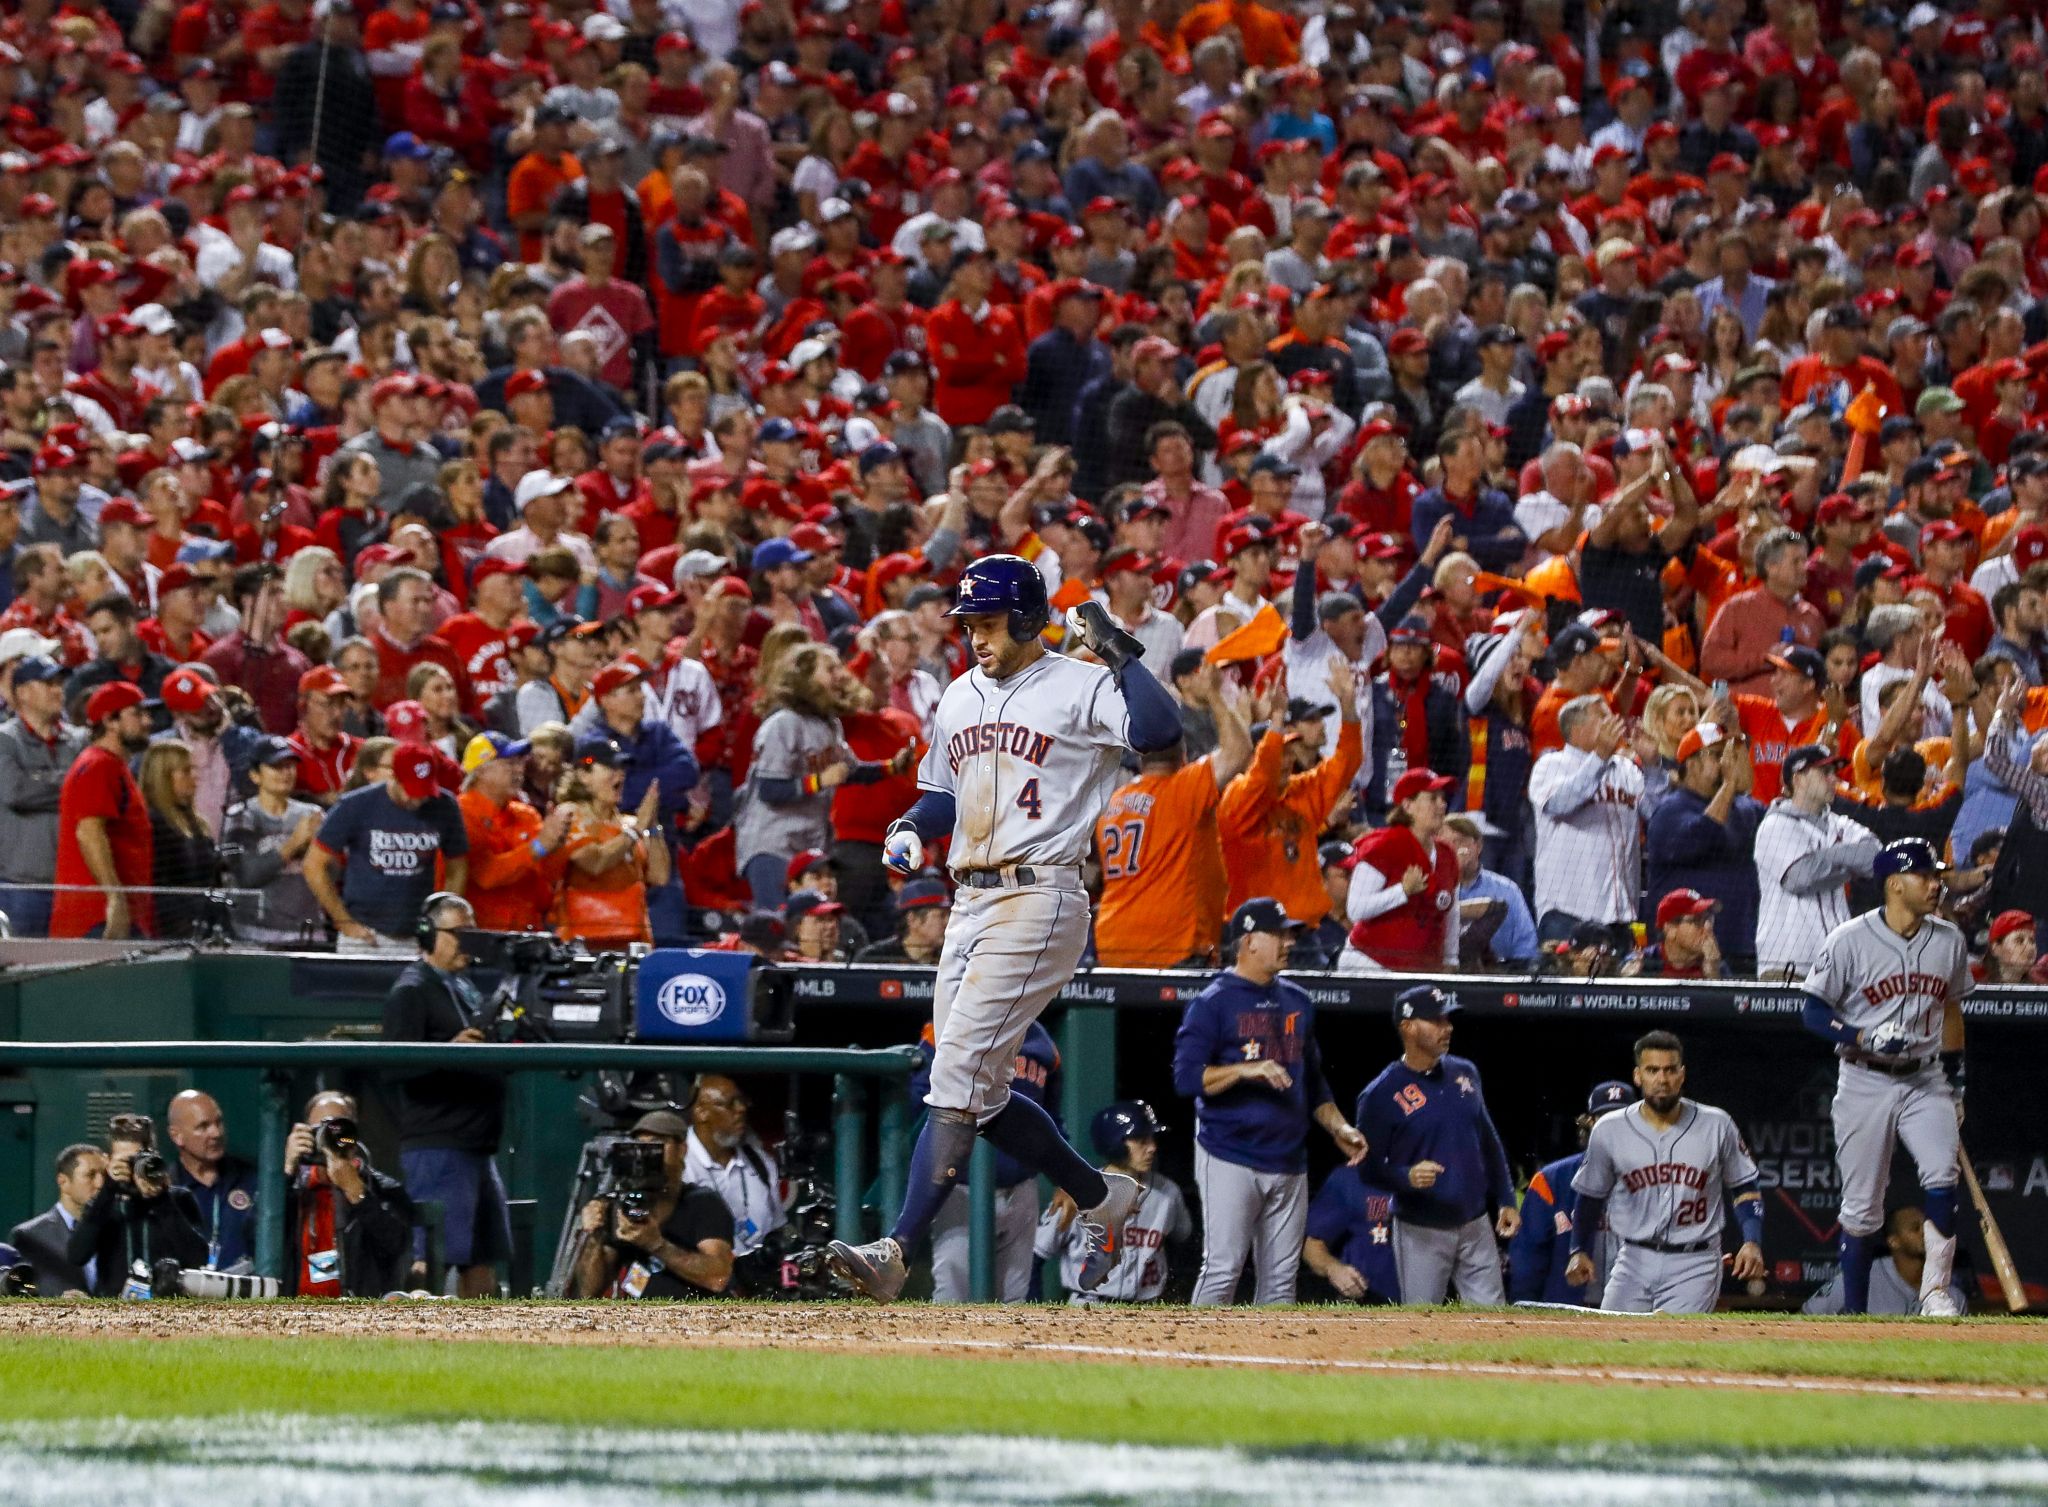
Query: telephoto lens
x=336, y=1137
x=148, y=1164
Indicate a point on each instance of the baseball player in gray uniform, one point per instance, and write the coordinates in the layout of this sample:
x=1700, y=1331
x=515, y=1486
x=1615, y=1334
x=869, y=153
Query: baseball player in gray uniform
x=1659, y=1171
x=1126, y=1136
x=1887, y=992
x=1805, y=855
x=1026, y=750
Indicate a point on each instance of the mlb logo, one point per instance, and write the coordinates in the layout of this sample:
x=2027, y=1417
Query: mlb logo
x=1998, y=1177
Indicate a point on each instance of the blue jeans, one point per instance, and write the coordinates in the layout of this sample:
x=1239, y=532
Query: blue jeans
x=476, y=1230
x=28, y=911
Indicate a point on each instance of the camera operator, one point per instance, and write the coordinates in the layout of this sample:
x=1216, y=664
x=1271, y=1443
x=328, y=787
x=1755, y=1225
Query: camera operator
x=450, y=1120
x=724, y=1155
x=137, y=1217
x=351, y=1225
x=682, y=1249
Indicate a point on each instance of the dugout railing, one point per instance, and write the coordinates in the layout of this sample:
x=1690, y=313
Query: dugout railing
x=1541, y=1041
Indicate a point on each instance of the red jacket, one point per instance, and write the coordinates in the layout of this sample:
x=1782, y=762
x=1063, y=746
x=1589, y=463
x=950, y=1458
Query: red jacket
x=1410, y=937
x=975, y=362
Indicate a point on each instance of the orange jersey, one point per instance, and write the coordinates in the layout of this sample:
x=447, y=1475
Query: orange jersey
x=1771, y=737
x=1162, y=870
x=1269, y=822
x=1868, y=782
x=510, y=885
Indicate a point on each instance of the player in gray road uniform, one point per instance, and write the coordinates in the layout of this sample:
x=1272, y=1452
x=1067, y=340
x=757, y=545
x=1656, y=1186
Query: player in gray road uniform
x=1659, y=1170
x=1887, y=992
x=1024, y=754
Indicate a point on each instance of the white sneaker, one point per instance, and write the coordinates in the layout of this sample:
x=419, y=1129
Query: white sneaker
x=1940, y=1304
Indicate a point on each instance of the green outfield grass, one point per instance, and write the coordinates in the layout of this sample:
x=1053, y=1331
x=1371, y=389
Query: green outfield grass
x=68, y=1379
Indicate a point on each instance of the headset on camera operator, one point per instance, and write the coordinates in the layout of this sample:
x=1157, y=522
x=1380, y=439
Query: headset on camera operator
x=724, y=1155
x=640, y=1243
x=350, y=1225
x=137, y=1218
x=450, y=1120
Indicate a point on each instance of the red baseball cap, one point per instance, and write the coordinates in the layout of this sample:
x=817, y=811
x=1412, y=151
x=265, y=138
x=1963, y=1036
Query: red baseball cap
x=1682, y=905
x=110, y=700
x=322, y=680
x=1415, y=781
x=651, y=598
x=519, y=384
x=2006, y=922
x=492, y=565
x=124, y=510
x=406, y=721
x=412, y=768
x=616, y=676
x=185, y=690
x=1943, y=531
x=2029, y=547
x=1407, y=341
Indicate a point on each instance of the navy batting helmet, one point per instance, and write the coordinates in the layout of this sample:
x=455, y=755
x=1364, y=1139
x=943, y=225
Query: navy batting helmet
x=1005, y=583
x=1907, y=855
x=1125, y=1120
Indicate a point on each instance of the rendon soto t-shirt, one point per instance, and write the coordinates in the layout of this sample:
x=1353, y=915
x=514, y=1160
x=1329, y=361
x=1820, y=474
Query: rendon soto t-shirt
x=387, y=853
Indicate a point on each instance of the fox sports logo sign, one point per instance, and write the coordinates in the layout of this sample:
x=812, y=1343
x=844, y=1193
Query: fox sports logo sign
x=691, y=999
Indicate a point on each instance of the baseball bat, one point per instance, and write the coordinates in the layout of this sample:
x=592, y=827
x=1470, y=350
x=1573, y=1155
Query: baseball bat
x=1994, y=1240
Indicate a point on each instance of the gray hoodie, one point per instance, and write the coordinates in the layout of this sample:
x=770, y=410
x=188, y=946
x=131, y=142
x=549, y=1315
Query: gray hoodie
x=31, y=778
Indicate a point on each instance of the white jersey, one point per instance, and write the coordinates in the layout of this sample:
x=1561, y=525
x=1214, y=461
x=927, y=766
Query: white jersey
x=1668, y=1185
x=1030, y=761
x=1803, y=863
x=1589, y=834
x=1141, y=1276
x=1871, y=976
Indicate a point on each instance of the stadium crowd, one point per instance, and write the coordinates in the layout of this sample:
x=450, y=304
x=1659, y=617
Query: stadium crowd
x=1579, y=465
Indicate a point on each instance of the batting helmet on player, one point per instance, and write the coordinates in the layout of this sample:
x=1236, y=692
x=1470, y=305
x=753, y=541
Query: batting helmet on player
x=1125, y=1120
x=1005, y=583
x=1907, y=855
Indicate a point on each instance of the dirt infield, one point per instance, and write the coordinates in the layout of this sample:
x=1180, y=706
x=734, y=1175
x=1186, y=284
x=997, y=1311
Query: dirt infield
x=1310, y=1341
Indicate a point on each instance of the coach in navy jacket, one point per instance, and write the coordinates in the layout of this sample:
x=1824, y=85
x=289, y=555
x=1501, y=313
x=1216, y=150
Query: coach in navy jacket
x=1246, y=1054
x=1702, y=837
x=1431, y=1140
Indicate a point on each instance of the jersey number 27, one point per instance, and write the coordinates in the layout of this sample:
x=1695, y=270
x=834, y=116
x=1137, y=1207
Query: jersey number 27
x=1121, y=842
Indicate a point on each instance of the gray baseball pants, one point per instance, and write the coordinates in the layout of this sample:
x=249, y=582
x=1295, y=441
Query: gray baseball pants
x=1647, y=1281
x=1245, y=1212
x=1016, y=1228
x=1428, y=1260
x=1873, y=1110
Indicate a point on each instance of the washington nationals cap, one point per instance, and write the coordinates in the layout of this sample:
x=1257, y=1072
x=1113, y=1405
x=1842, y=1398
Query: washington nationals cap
x=1424, y=1002
x=1683, y=905
x=2009, y=921
x=1908, y=855
x=1262, y=913
x=921, y=894
x=412, y=770
x=1608, y=1097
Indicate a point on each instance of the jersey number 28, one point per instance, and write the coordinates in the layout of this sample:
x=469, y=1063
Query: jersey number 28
x=1121, y=842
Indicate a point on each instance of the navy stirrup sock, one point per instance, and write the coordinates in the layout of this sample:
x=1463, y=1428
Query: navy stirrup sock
x=1024, y=1130
x=1859, y=1254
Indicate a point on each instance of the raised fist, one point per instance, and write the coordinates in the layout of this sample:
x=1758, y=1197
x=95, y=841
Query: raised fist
x=902, y=851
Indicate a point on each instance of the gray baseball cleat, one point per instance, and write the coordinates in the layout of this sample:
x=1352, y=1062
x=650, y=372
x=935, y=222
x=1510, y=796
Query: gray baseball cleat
x=1105, y=1226
x=875, y=1269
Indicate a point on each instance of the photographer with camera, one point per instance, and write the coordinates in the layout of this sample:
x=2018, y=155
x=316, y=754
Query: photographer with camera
x=350, y=1225
x=724, y=1155
x=450, y=1120
x=137, y=1218
x=674, y=1241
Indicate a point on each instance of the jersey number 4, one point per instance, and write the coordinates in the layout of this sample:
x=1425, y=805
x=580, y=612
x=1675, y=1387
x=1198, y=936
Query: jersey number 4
x=1028, y=801
x=1120, y=844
